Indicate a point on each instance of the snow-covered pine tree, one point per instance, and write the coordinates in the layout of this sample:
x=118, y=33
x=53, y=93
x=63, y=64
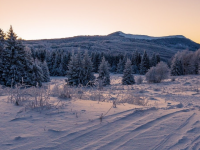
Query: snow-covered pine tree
x=157, y=58
x=197, y=61
x=45, y=71
x=37, y=75
x=87, y=69
x=128, y=78
x=41, y=55
x=27, y=78
x=2, y=41
x=15, y=62
x=104, y=73
x=133, y=59
x=96, y=61
x=120, y=67
x=114, y=65
x=136, y=60
x=43, y=64
x=153, y=61
x=125, y=57
x=79, y=67
x=71, y=74
x=56, y=65
x=51, y=62
x=176, y=67
x=75, y=74
x=2, y=45
x=64, y=64
x=144, y=66
x=33, y=53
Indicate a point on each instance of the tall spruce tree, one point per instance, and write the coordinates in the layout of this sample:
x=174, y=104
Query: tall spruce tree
x=128, y=78
x=16, y=64
x=51, y=62
x=71, y=74
x=37, y=75
x=96, y=62
x=176, y=67
x=56, y=67
x=74, y=73
x=79, y=67
x=104, y=73
x=45, y=71
x=64, y=63
x=136, y=60
x=144, y=66
x=87, y=69
x=157, y=58
x=2, y=41
x=153, y=61
x=2, y=46
x=120, y=66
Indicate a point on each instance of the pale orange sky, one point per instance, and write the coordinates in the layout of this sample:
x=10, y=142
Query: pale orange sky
x=39, y=19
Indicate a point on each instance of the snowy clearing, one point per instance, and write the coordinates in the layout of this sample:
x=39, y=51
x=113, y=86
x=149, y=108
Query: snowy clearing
x=168, y=118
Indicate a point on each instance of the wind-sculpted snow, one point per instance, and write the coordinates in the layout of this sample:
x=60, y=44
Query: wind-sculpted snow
x=168, y=120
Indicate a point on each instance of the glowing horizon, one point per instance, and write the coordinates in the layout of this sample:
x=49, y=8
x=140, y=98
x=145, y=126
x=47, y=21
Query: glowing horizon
x=49, y=19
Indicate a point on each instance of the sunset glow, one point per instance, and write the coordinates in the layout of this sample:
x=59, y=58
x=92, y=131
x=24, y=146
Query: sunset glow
x=45, y=19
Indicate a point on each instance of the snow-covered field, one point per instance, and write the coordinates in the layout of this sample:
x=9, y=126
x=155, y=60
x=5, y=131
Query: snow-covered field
x=167, y=117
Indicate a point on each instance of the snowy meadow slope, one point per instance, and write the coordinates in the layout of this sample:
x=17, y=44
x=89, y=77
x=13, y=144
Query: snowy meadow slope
x=146, y=116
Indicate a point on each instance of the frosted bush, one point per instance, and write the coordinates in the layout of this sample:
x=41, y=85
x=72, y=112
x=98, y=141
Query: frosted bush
x=62, y=91
x=65, y=92
x=55, y=91
x=158, y=73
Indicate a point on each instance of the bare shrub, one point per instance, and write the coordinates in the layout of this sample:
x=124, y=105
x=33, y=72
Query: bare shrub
x=40, y=98
x=158, y=73
x=31, y=97
x=65, y=92
x=18, y=95
x=62, y=91
x=55, y=91
x=135, y=99
x=131, y=98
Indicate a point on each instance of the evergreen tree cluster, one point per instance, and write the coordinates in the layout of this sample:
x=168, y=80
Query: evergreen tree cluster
x=128, y=78
x=104, y=74
x=80, y=71
x=58, y=61
x=16, y=62
x=185, y=62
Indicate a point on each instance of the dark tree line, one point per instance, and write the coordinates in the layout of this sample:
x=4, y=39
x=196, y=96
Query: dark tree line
x=58, y=61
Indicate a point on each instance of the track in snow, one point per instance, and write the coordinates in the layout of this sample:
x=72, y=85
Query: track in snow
x=155, y=129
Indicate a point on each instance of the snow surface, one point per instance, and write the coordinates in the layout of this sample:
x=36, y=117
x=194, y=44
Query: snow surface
x=146, y=37
x=161, y=124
